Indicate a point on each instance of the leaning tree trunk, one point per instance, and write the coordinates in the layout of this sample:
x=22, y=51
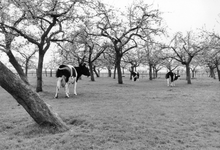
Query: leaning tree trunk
x=29, y=99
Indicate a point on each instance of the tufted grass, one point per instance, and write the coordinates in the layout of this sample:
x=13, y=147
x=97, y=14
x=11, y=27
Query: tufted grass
x=108, y=116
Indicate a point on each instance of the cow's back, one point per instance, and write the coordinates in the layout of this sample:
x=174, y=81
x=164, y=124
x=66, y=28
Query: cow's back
x=63, y=70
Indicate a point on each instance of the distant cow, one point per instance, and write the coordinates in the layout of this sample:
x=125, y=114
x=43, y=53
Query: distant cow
x=134, y=75
x=67, y=74
x=171, y=77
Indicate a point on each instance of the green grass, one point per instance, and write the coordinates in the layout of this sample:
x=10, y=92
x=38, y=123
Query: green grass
x=108, y=116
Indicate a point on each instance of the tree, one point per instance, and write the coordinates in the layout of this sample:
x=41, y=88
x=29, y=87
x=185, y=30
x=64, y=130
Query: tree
x=134, y=57
x=185, y=48
x=27, y=52
x=123, y=30
x=41, y=23
x=29, y=99
x=215, y=45
x=9, y=35
x=93, y=49
x=53, y=63
x=210, y=55
x=171, y=64
x=196, y=62
x=108, y=60
x=217, y=63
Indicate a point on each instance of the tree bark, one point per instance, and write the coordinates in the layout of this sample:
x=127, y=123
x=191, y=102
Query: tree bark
x=29, y=99
x=156, y=73
x=39, y=73
x=212, y=72
x=193, y=73
x=188, y=76
x=51, y=72
x=150, y=72
x=218, y=71
x=91, y=71
x=95, y=71
x=114, y=74
x=118, y=67
x=109, y=71
x=17, y=66
x=26, y=68
x=218, y=74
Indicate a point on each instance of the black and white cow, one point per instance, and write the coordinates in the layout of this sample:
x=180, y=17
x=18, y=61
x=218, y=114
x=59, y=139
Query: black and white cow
x=171, y=77
x=67, y=74
x=134, y=75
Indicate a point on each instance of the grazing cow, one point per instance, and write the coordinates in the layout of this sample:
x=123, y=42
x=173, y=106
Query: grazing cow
x=134, y=75
x=171, y=77
x=67, y=74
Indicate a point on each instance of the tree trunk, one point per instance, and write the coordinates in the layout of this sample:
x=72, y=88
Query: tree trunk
x=123, y=70
x=39, y=73
x=29, y=99
x=150, y=72
x=45, y=71
x=26, y=69
x=114, y=74
x=156, y=73
x=218, y=74
x=96, y=73
x=193, y=73
x=132, y=70
x=51, y=72
x=91, y=71
x=118, y=67
x=17, y=66
x=218, y=71
x=109, y=72
x=188, y=76
x=212, y=72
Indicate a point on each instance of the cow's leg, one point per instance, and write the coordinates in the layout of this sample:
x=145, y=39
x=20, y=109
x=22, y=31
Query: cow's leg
x=173, y=83
x=58, y=86
x=74, y=88
x=67, y=90
x=168, y=81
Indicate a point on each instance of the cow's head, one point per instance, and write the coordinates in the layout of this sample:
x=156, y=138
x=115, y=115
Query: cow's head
x=84, y=69
x=176, y=76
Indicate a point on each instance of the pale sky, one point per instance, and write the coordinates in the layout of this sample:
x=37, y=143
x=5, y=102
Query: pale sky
x=183, y=15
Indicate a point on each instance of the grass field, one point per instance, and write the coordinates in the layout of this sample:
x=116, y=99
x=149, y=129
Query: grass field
x=142, y=115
